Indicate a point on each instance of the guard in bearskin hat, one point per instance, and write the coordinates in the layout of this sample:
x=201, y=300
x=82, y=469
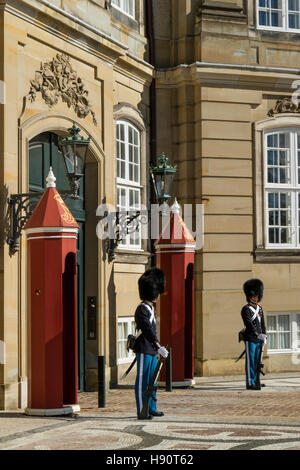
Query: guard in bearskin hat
x=151, y=285
x=254, y=333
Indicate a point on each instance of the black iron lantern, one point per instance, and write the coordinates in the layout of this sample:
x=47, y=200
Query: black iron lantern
x=74, y=149
x=163, y=176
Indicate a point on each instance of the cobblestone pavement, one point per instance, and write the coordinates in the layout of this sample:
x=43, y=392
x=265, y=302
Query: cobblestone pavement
x=216, y=414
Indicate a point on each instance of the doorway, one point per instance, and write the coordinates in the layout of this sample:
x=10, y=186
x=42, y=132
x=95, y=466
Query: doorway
x=43, y=153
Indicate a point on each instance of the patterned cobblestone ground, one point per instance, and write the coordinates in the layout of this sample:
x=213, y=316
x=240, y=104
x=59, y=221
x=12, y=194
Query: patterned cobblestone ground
x=214, y=415
x=199, y=402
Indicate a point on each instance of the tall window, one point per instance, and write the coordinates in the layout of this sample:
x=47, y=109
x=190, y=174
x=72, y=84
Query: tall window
x=278, y=14
x=126, y=326
x=283, y=332
x=126, y=6
x=282, y=189
x=128, y=177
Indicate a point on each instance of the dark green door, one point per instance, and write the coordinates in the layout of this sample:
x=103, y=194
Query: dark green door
x=43, y=153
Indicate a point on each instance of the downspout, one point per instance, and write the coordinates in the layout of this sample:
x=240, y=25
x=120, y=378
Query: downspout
x=153, y=143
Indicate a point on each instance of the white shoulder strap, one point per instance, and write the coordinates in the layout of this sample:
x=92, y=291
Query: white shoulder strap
x=255, y=313
x=151, y=310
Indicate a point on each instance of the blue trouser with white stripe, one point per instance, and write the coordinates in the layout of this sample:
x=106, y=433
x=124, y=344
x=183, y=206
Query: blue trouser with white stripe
x=252, y=359
x=146, y=364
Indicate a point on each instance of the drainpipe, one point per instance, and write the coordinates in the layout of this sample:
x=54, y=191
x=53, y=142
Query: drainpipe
x=153, y=143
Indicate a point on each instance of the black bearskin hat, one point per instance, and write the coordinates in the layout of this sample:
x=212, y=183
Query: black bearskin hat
x=252, y=288
x=151, y=284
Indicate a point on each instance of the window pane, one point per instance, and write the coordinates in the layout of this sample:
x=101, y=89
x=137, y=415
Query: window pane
x=136, y=174
x=273, y=140
x=284, y=341
x=121, y=132
x=271, y=321
x=279, y=334
x=294, y=21
x=293, y=5
x=298, y=322
x=272, y=341
x=131, y=173
x=136, y=138
x=121, y=198
x=270, y=13
x=283, y=323
x=123, y=332
x=275, y=19
x=130, y=134
x=271, y=200
x=283, y=200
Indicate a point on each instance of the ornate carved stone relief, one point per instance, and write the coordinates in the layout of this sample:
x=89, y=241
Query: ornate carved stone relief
x=57, y=79
x=284, y=105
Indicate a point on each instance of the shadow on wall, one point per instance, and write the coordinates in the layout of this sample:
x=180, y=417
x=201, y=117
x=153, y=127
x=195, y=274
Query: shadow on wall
x=5, y=229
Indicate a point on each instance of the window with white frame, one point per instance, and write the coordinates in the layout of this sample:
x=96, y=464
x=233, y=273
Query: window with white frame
x=126, y=326
x=283, y=332
x=282, y=188
x=278, y=15
x=128, y=179
x=126, y=6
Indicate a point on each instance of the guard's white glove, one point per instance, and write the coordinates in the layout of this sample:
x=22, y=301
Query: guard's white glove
x=262, y=338
x=163, y=352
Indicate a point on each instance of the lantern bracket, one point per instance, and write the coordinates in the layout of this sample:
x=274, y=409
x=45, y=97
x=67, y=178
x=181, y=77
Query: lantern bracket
x=20, y=208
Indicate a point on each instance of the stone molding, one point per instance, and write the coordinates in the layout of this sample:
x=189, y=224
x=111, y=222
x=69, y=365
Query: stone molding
x=262, y=255
x=131, y=113
x=229, y=11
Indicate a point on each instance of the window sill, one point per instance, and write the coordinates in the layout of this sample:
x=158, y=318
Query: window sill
x=131, y=256
x=272, y=352
x=263, y=255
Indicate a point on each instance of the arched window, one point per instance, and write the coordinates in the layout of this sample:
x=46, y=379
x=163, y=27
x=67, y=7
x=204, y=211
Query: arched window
x=282, y=188
x=128, y=176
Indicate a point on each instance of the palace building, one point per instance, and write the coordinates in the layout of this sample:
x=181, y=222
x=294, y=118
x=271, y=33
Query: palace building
x=226, y=72
x=82, y=62
x=214, y=85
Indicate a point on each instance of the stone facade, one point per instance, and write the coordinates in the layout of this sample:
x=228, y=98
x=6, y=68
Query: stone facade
x=217, y=78
x=219, y=84
x=64, y=62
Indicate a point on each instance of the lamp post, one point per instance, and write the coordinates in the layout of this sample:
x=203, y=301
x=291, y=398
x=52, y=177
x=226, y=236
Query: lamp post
x=74, y=150
x=162, y=177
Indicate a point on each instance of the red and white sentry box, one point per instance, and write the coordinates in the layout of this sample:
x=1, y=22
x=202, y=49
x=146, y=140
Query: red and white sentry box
x=52, y=366
x=175, y=254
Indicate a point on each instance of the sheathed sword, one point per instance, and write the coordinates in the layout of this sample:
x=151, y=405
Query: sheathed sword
x=241, y=355
x=129, y=369
x=260, y=365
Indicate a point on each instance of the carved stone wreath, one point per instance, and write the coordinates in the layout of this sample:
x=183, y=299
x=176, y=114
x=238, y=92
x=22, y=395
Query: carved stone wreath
x=57, y=79
x=284, y=105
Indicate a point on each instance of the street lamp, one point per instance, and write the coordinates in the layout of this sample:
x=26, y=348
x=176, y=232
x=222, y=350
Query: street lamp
x=162, y=177
x=74, y=149
x=20, y=207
